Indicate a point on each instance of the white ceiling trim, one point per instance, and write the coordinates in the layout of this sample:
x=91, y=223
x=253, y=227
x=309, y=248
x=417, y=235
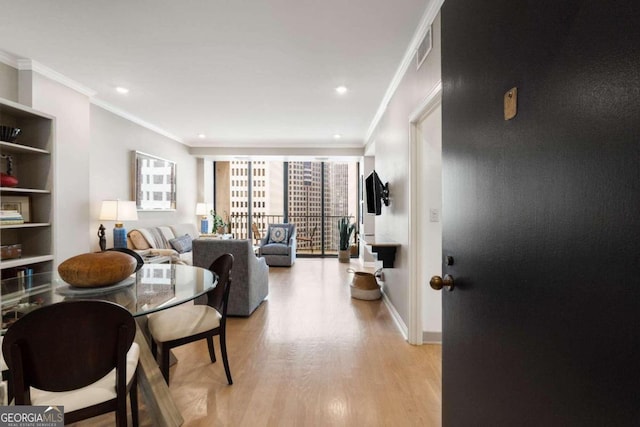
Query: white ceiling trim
x=293, y=153
x=31, y=65
x=425, y=23
x=128, y=116
x=279, y=144
x=7, y=58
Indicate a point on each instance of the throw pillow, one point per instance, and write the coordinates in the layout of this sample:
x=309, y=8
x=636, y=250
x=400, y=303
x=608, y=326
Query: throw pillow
x=138, y=240
x=278, y=235
x=181, y=244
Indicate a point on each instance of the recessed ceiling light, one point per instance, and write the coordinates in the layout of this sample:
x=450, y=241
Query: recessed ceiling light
x=337, y=136
x=202, y=135
x=122, y=90
x=341, y=90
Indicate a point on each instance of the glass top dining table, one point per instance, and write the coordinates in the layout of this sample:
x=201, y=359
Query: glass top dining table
x=154, y=287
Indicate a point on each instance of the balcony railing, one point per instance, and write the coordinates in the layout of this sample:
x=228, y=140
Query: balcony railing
x=309, y=230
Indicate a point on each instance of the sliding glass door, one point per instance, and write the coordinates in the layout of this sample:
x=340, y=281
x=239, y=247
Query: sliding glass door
x=311, y=195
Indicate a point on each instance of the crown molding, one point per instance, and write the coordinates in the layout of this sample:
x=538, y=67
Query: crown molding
x=9, y=59
x=31, y=65
x=426, y=21
x=274, y=143
x=286, y=153
x=128, y=116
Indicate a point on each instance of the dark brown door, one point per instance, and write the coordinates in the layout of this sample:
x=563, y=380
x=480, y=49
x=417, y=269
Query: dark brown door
x=541, y=213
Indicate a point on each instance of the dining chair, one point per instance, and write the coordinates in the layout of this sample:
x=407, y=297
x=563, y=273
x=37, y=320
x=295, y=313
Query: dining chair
x=187, y=323
x=76, y=354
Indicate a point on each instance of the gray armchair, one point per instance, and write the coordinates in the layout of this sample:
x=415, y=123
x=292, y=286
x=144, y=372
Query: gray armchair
x=278, y=247
x=250, y=274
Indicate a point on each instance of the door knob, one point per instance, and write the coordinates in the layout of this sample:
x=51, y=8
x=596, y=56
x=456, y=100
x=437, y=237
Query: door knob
x=438, y=282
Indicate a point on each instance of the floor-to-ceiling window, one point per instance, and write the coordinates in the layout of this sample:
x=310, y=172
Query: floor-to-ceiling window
x=312, y=195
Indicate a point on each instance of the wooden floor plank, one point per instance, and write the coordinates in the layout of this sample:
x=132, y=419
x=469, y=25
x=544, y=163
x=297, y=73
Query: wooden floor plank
x=309, y=356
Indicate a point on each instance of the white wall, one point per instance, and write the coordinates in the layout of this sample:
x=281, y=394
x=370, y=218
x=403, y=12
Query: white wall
x=92, y=161
x=8, y=82
x=429, y=174
x=392, y=162
x=70, y=156
x=113, y=139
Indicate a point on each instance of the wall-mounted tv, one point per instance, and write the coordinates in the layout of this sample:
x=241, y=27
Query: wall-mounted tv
x=377, y=193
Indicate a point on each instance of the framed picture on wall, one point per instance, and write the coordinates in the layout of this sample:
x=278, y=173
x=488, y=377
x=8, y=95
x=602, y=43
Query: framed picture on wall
x=155, y=182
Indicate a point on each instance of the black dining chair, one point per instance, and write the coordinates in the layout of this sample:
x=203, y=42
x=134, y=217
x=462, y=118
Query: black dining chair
x=77, y=354
x=187, y=323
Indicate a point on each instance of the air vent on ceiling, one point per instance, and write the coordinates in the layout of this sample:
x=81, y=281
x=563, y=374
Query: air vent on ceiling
x=423, y=48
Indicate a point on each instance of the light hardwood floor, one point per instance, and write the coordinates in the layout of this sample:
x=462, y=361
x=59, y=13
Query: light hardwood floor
x=309, y=356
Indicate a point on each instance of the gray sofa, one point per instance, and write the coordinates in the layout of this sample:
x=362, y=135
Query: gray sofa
x=249, y=274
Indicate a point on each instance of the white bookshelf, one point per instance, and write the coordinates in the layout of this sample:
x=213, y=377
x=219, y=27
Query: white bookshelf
x=32, y=154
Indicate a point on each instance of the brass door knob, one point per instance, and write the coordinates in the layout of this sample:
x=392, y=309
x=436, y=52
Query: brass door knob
x=438, y=282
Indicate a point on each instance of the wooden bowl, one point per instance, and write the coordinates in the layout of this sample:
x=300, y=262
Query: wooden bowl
x=97, y=269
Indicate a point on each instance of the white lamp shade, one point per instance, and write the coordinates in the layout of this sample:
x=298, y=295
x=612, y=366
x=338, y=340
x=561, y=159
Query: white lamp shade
x=118, y=210
x=201, y=209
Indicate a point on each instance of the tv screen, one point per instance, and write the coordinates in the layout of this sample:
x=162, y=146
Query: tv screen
x=373, y=188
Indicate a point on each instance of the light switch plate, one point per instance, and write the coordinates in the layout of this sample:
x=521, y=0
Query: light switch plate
x=434, y=215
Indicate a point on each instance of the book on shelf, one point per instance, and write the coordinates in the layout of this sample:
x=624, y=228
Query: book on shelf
x=11, y=221
x=10, y=217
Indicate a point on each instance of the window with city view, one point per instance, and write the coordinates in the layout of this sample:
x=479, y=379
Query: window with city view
x=312, y=195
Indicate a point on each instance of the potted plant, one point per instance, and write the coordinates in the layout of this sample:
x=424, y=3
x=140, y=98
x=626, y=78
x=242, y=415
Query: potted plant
x=345, y=228
x=218, y=223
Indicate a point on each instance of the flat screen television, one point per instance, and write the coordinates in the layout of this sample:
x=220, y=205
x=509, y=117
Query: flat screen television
x=377, y=193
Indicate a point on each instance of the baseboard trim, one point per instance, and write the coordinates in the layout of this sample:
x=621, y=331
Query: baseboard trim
x=427, y=337
x=396, y=316
x=431, y=337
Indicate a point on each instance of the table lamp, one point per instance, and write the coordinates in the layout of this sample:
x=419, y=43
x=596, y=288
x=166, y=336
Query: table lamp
x=119, y=211
x=201, y=209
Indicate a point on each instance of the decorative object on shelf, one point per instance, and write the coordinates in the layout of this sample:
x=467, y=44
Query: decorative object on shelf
x=102, y=241
x=218, y=223
x=118, y=211
x=345, y=228
x=7, y=179
x=17, y=203
x=97, y=269
x=8, y=133
x=201, y=209
x=364, y=285
x=154, y=176
x=10, y=251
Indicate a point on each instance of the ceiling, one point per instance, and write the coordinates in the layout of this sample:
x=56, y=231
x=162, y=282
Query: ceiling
x=244, y=73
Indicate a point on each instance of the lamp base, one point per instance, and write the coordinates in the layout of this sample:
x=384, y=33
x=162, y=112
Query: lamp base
x=204, y=225
x=119, y=236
